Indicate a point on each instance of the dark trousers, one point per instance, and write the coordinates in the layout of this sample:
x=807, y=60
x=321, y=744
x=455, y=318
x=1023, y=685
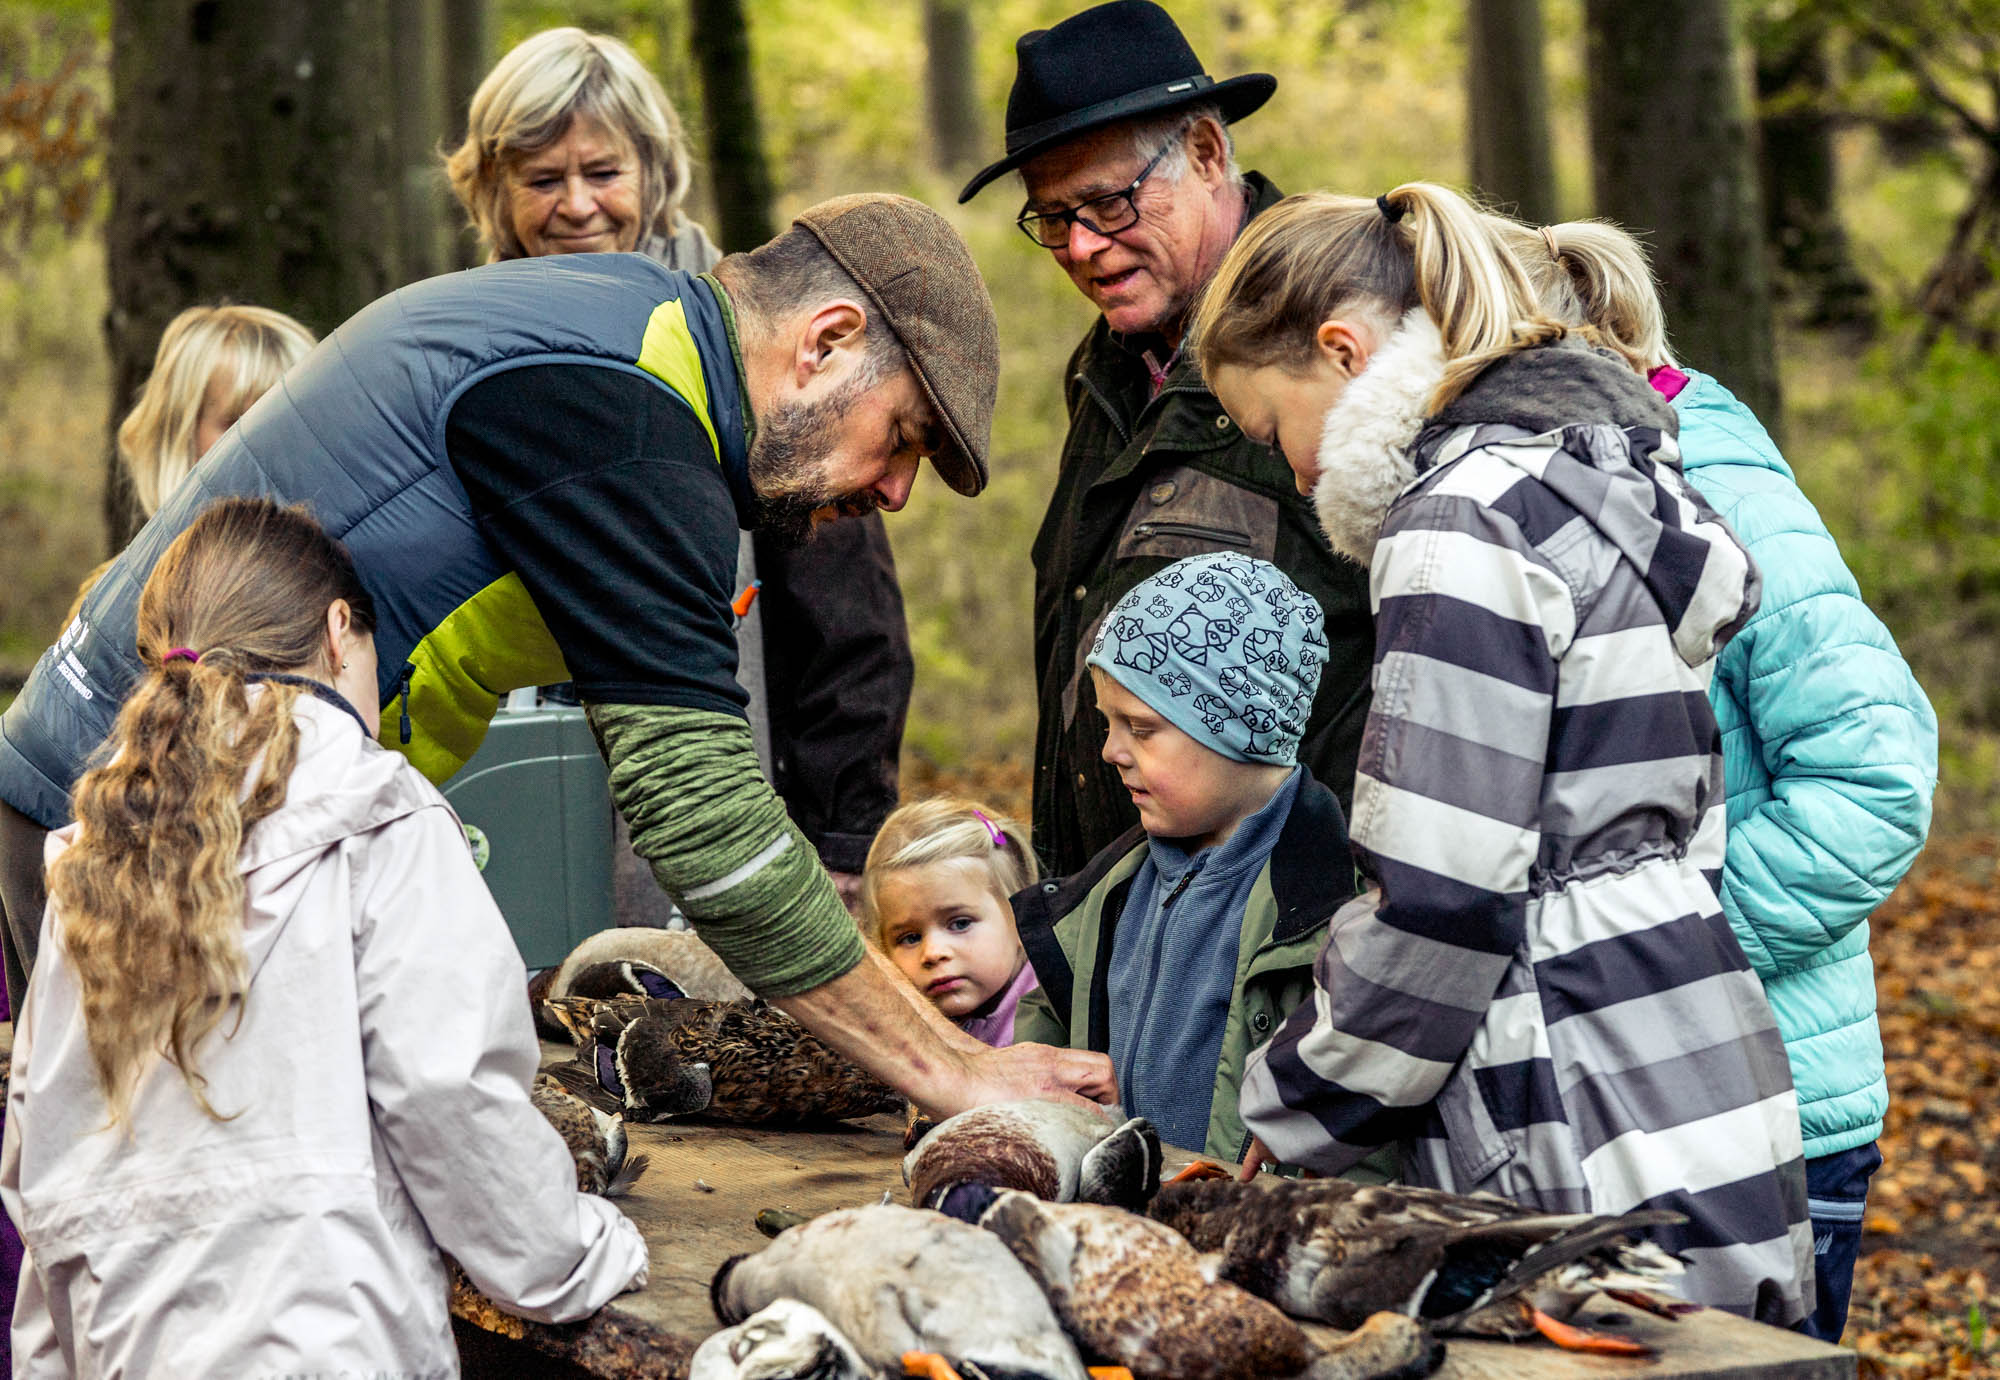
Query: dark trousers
x=22, y=896
x=1836, y=1196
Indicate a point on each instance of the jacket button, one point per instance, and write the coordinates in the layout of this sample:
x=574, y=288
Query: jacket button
x=1261, y=1022
x=1163, y=492
x=1078, y=593
x=1051, y=888
x=1222, y=422
x=1080, y=778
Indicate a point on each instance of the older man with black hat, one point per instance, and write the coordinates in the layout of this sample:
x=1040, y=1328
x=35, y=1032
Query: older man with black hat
x=540, y=468
x=1123, y=147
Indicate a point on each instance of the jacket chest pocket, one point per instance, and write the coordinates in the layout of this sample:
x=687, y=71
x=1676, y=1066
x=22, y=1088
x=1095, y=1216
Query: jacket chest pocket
x=1182, y=511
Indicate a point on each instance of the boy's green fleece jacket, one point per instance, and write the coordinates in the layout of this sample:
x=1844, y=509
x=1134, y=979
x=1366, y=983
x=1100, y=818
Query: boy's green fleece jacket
x=1068, y=926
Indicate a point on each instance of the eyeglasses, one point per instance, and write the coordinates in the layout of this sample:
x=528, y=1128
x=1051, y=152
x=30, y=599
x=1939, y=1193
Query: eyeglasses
x=1102, y=215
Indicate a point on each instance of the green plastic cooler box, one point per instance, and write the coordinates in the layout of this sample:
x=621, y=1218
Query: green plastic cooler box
x=537, y=807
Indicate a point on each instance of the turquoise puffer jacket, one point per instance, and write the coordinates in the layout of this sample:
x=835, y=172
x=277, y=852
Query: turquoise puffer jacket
x=1830, y=754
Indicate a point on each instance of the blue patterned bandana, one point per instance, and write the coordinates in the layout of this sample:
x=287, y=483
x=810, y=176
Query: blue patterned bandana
x=1226, y=647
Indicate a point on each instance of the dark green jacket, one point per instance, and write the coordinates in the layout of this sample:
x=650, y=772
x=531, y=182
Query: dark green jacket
x=1144, y=483
x=1068, y=926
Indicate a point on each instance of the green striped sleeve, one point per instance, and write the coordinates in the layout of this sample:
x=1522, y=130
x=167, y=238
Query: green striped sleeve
x=720, y=843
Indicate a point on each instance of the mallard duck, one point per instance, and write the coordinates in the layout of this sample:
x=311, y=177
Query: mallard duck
x=742, y=1062
x=596, y=1140
x=786, y=1340
x=907, y=1288
x=664, y=963
x=1061, y=1151
x=1336, y=1251
x=1133, y=1292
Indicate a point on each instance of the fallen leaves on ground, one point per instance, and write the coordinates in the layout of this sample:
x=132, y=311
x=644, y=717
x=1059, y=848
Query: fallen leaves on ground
x=1922, y=1297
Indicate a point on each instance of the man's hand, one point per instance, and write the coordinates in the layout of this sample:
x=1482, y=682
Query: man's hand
x=1258, y=1157
x=1038, y=1071
x=885, y=1026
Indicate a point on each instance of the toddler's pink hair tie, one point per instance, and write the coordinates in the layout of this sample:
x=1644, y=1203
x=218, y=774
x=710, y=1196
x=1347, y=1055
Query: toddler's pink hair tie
x=999, y=839
x=181, y=652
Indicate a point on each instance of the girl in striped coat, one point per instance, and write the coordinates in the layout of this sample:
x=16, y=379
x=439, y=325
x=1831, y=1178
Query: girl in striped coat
x=1540, y=996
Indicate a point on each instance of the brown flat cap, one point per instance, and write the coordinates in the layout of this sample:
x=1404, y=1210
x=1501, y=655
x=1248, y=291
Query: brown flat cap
x=918, y=272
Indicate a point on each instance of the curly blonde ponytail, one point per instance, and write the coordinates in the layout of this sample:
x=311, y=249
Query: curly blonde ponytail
x=151, y=895
x=1593, y=274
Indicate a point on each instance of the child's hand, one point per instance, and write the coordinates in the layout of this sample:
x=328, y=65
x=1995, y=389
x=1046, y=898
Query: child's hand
x=1254, y=1161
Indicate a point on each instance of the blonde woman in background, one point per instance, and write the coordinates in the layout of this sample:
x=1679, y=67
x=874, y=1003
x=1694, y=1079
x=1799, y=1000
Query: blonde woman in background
x=213, y=362
x=1829, y=745
x=572, y=147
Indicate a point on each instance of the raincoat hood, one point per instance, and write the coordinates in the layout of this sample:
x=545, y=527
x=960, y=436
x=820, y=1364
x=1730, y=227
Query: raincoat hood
x=1582, y=425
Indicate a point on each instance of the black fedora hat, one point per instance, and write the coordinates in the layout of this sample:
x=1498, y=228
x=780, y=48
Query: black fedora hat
x=1109, y=63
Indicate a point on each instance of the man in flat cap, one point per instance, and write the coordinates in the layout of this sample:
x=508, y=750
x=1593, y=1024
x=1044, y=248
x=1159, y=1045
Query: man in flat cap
x=540, y=468
x=1123, y=148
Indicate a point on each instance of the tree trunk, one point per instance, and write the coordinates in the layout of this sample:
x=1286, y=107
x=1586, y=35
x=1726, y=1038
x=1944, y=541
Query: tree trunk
x=425, y=201
x=1672, y=161
x=468, y=56
x=951, y=85
x=1507, y=108
x=1801, y=214
x=251, y=159
x=721, y=42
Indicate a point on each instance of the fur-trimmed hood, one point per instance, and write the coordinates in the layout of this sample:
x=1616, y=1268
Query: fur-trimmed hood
x=1606, y=447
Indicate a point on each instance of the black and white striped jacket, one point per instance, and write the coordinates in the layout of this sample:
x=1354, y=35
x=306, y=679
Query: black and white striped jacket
x=1543, y=998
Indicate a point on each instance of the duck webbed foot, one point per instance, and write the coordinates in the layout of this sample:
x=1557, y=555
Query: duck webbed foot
x=928, y=1365
x=1572, y=1338
x=1201, y=1169
x=1673, y=1310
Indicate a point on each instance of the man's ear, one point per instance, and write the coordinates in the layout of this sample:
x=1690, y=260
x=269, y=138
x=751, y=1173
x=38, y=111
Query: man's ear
x=838, y=325
x=1345, y=344
x=1208, y=151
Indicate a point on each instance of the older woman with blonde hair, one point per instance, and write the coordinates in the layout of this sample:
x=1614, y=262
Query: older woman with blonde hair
x=572, y=147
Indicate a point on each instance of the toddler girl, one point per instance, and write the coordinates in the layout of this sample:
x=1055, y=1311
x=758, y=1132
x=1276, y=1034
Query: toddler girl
x=935, y=895
x=273, y=1057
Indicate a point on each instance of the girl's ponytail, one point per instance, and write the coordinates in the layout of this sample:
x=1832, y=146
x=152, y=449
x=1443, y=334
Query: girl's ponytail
x=151, y=894
x=1311, y=258
x=1613, y=281
x=1475, y=291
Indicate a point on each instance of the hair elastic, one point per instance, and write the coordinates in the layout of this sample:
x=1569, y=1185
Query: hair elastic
x=1390, y=213
x=181, y=653
x=999, y=839
x=1549, y=239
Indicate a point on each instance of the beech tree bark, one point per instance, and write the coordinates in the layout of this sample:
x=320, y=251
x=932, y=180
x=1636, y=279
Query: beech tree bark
x=951, y=85
x=720, y=39
x=1672, y=159
x=1800, y=189
x=252, y=159
x=424, y=118
x=1507, y=108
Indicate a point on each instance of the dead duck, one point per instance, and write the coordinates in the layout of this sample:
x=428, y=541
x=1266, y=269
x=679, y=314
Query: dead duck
x=596, y=1140
x=741, y=1062
x=785, y=1340
x=662, y=963
x=1134, y=1292
x=1478, y=1265
x=1059, y=1151
x=895, y=1281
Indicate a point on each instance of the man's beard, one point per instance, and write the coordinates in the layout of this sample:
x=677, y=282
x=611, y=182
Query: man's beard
x=789, y=492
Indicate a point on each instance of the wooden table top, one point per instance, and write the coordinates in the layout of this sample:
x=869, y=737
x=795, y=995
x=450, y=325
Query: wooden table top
x=698, y=1200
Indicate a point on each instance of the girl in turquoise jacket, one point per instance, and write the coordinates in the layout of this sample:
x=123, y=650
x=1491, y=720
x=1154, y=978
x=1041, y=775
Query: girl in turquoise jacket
x=1829, y=746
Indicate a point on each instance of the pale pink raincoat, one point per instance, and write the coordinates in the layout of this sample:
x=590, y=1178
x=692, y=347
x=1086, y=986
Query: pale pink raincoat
x=380, y=1076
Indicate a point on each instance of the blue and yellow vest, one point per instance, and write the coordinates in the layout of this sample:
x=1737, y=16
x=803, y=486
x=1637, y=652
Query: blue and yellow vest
x=357, y=433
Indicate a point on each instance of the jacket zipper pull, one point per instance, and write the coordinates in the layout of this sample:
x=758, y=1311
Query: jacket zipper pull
x=403, y=723
x=1180, y=886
